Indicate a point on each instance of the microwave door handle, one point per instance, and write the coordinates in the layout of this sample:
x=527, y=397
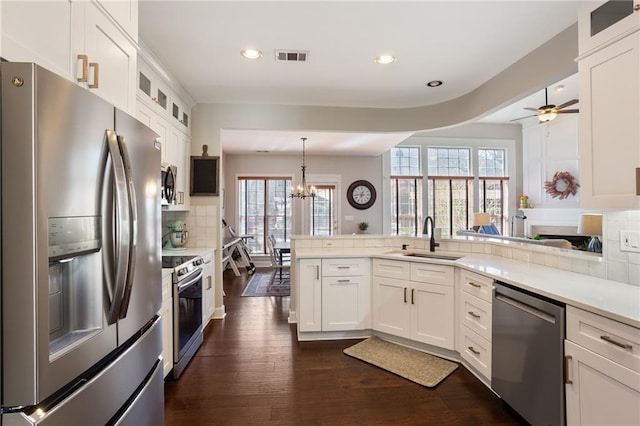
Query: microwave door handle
x=122, y=227
x=133, y=226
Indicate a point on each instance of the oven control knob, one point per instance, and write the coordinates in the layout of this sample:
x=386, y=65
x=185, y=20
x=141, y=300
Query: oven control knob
x=198, y=262
x=182, y=271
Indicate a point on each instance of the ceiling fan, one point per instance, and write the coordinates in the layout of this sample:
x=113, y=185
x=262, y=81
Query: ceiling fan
x=548, y=112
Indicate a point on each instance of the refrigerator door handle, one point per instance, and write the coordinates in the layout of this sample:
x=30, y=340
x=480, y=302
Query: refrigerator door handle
x=122, y=227
x=133, y=225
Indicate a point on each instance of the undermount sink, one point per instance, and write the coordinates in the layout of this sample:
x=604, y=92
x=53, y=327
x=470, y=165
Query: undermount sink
x=433, y=256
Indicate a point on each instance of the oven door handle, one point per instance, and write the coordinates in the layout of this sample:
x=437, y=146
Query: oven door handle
x=191, y=281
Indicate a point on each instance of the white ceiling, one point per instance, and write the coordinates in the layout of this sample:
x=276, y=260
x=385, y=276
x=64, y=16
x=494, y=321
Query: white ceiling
x=464, y=44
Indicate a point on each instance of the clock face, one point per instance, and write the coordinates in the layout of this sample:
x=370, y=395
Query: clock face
x=361, y=194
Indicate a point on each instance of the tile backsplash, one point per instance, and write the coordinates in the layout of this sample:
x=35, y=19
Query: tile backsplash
x=202, y=223
x=622, y=266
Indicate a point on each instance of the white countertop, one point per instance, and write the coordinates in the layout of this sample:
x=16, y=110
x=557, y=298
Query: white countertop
x=612, y=299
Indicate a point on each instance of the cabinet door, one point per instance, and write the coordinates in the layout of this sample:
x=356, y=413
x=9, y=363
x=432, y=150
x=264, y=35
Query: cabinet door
x=601, y=391
x=113, y=73
x=391, y=309
x=340, y=307
x=158, y=125
x=166, y=313
x=609, y=125
x=432, y=314
x=309, y=295
x=183, y=162
x=38, y=32
x=125, y=14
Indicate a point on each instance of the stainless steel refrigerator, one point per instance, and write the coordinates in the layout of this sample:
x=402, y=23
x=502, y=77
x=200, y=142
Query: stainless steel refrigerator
x=81, y=268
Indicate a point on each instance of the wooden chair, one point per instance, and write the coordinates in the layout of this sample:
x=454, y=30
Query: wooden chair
x=278, y=268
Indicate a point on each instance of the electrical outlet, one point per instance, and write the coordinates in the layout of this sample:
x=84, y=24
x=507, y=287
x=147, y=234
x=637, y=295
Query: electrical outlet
x=630, y=241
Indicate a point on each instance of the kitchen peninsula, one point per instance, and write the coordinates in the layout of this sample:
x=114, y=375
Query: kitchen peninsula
x=358, y=286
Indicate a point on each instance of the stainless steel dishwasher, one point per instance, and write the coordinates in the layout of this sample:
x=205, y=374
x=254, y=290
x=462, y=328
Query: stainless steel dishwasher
x=527, y=354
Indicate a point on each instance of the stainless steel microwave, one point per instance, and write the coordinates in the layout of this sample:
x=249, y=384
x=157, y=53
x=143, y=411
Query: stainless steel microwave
x=169, y=174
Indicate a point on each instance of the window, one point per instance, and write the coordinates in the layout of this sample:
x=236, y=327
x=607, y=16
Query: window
x=406, y=190
x=264, y=209
x=322, y=206
x=451, y=187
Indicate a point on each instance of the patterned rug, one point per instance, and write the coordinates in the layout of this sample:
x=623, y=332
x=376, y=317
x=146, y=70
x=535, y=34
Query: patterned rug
x=258, y=285
x=424, y=369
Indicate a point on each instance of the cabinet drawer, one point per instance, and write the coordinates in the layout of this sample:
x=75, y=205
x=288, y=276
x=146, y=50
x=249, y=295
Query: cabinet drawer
x=476, y=284
x=476, y=351
x=476, y=314
x=432, y=273
x=344, y=267
x=392, y=269
x=611, y=339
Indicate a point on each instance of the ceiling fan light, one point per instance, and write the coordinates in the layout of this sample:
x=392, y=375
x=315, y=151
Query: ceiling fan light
x=547, y=116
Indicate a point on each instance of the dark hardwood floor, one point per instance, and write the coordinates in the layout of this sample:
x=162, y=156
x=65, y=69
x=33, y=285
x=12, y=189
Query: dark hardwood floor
x=251, y=370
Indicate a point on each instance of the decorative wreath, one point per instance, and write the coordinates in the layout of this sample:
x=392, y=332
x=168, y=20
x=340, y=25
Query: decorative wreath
x=562, y=185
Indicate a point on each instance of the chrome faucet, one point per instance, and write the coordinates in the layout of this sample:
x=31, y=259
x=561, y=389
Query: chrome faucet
x=427, y=230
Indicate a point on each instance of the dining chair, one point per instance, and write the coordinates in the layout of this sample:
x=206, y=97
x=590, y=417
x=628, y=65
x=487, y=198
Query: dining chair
x=279, y=269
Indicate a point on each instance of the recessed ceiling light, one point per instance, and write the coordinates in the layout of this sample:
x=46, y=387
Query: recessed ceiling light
x=559, y=88
x=385, y=59
x=251, y=53
x=434, y=83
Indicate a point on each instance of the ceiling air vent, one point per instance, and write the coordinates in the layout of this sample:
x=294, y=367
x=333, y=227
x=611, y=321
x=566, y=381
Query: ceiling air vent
x=291, y=56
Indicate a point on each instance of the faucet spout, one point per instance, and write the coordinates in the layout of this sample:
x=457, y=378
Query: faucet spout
x=428, y=229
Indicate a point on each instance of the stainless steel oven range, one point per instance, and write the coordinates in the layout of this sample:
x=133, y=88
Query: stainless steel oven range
x=187, y=308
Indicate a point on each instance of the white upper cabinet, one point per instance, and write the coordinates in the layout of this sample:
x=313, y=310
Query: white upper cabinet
x=109, y=64
x=609, y=128
x=604, y=22
x=78, y=40
x=38, y=32
x=125, y=13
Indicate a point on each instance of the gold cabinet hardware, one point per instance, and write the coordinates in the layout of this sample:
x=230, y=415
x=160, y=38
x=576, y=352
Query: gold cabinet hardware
x=472, y=349
x=317, y=272
x=472, y=284
x=85, y=68
x=209, y=283
x=344, y=281
x=96, y=75
x=344, y=267
x=567, y=362
x=413, y=290
x=636, y=7
x=473, y=314
x=614, y=342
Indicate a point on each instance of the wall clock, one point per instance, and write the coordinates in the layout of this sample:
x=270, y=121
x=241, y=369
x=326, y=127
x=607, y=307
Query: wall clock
x=361, y=194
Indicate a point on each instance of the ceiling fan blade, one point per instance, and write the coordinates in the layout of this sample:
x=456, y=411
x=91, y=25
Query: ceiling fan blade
x=568, y=111
x=522, y=118
x=531, y=109
x=566, y=104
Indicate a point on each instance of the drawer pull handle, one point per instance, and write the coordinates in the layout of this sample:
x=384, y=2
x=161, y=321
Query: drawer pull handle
x=344, y=281
x=471, y=348
x=472, y=284
x=567, y=362
x=96, y=75
x=405, y=295
x=343, y=267
x=473, y=314
x=413, y=290
x=614, y=342
x=637, y=7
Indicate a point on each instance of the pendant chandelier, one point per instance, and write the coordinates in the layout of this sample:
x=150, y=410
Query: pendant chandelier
x=303, y=190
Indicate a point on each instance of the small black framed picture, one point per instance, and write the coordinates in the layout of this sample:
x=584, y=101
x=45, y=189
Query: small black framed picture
x=205, y=176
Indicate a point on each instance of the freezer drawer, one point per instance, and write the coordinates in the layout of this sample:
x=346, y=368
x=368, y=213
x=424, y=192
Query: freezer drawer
x=131, y=377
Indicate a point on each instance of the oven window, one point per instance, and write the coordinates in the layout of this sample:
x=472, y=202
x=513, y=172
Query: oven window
x=189, y=314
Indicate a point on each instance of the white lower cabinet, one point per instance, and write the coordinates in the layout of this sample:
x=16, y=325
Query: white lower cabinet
x=309, y=295
x=346, y=294
x=334, y=294
x=420, y=308
x=602, y=377
x=475, y=321
x=208, y=289
x=166, y=314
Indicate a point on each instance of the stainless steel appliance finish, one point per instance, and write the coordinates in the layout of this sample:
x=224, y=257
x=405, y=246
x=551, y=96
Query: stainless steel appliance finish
x=168, y=176
x=81, y=266
x=187, y=308
x=527, y=354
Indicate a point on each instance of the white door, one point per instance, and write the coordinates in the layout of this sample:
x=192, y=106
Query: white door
x=391, y=308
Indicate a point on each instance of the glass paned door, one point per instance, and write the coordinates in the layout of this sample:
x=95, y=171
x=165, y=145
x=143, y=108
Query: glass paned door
x=323, y=215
